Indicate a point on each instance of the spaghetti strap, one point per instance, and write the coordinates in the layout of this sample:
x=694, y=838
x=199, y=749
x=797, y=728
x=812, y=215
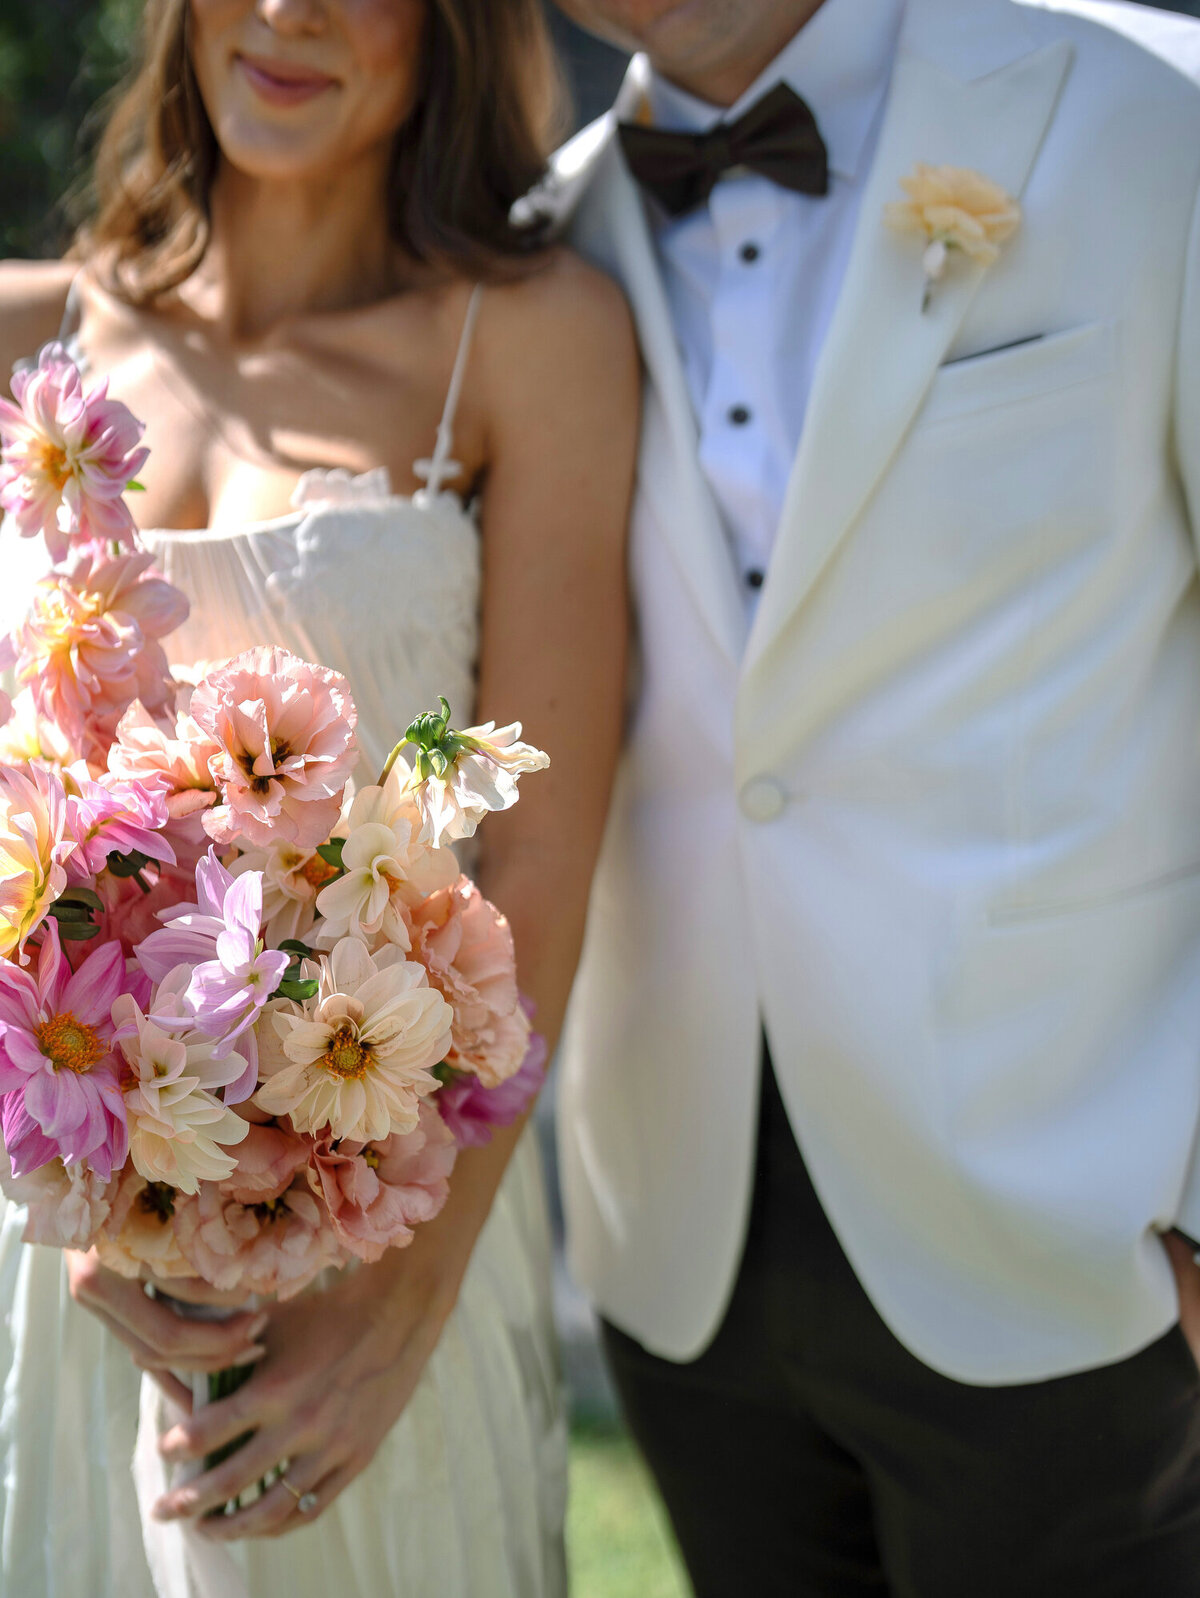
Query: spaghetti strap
x=68, y=332
x=442, y=469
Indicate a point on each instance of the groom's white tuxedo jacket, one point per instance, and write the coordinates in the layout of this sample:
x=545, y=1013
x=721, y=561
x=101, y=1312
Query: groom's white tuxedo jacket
x=935, y=822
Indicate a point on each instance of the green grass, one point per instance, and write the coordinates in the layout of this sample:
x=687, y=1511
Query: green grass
x=619, y=1544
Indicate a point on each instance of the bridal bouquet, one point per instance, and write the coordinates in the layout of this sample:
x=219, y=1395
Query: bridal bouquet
x=247, y=1014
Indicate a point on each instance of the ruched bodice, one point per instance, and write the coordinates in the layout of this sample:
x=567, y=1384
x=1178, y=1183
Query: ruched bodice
x=385, y=591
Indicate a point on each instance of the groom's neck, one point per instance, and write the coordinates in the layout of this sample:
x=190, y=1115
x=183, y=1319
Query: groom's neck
x=726, y=45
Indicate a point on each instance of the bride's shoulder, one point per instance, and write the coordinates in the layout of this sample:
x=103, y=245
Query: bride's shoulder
x=563, y=323
x=33, y=296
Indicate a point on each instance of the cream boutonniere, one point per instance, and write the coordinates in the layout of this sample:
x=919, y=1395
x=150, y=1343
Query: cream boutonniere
x=953, y=208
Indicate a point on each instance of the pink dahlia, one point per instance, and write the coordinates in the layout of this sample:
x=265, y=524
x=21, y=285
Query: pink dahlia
x=274, y=1246
x=88, y=646
x=466, y=946
x=56, y=1051
x=68, y=456
x=34, y=850
x=377, y=1192
x=285, y=731
x=114, y=815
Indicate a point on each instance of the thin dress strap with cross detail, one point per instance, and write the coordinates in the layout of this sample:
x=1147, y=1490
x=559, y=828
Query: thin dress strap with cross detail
x=442, y=468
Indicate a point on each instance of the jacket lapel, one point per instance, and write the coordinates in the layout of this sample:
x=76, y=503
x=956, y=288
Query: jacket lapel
x=611, y=229
x=881, y=352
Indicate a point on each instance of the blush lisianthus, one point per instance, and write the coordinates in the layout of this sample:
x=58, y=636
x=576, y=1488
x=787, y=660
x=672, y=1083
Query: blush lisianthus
x=180, y=1132
x=274, y=1246
x=67, y=1204
x=56, y=1051
x=88, y=646
x=457, y=777
x=377, y=1192
x=139, y=1233
x=357, y=1059
x=388, y=868
x=172, y=754
x=471, y=1111
x=267, y=1162
x=466, y=946
x=35, y=850
x=285, y=735
x=68, y=456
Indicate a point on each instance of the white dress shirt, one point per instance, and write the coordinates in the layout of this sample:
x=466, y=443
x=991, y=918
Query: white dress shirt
x=752, y=277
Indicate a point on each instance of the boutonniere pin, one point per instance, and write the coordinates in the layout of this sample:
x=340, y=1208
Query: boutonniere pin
x=953, y=208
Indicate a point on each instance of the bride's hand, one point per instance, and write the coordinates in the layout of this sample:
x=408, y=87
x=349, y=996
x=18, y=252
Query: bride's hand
x=159, y=1340
x=342, y=1364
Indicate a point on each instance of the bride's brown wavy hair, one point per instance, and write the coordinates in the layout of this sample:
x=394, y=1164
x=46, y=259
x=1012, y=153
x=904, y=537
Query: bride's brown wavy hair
x=486, y=118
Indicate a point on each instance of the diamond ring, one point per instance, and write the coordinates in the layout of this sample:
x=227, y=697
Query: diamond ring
x=305, y=1502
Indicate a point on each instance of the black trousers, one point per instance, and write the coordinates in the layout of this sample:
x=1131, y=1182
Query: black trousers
x=807, y=1453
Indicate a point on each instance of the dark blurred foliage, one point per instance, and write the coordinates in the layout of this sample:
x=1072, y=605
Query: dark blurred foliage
x=58, y=58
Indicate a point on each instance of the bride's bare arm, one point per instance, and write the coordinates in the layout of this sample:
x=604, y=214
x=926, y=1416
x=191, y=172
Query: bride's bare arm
x=33, y=295
x=555, y=371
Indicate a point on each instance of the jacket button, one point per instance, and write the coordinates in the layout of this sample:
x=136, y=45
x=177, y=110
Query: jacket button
x=762, y=799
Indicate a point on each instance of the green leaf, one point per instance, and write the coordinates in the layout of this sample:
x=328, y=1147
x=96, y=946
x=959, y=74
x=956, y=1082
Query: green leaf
x=294, y=946
x=128, y=865
x=331, y=852
x=76, y=932
x=300, y=990
x=70, y=912
x=134, y=487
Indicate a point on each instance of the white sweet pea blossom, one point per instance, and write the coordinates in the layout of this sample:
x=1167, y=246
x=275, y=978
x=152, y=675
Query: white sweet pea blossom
x=456, y=778
x=389, y=867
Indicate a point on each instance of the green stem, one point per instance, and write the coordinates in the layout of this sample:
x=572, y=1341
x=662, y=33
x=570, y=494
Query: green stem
x=391, y=761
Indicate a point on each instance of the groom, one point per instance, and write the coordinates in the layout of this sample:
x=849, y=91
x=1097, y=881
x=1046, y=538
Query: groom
x=882, y=1085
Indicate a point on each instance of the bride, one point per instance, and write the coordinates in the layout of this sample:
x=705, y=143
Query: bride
x=392, y=431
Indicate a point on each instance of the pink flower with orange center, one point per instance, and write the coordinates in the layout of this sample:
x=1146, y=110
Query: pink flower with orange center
x=68, y=456
x=88, y=647
x=56, y=1052
x=285, y=733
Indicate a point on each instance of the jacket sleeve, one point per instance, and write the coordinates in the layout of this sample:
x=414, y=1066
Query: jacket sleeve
x=1187, y=450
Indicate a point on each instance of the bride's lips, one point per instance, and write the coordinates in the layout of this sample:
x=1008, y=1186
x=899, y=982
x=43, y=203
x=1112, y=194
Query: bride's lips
x=281, y=82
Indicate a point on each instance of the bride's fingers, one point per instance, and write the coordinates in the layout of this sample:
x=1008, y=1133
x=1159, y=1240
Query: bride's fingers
x=255, y=1459
x=278, y=1511
x=179, y=1395
x=172, y=1342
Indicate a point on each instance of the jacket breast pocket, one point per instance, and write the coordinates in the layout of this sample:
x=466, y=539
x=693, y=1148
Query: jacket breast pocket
x=1022, y=372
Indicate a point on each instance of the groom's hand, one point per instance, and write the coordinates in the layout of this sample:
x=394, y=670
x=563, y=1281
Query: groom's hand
x=1187, y=1279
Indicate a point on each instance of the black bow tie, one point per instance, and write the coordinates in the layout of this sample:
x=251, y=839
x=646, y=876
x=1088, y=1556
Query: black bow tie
x=778, y=138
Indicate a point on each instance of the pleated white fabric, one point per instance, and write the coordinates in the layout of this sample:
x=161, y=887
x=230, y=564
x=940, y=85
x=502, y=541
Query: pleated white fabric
x=466, y=1496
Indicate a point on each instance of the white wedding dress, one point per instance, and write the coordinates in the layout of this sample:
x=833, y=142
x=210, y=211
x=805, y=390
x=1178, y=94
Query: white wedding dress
x=466, y=1496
